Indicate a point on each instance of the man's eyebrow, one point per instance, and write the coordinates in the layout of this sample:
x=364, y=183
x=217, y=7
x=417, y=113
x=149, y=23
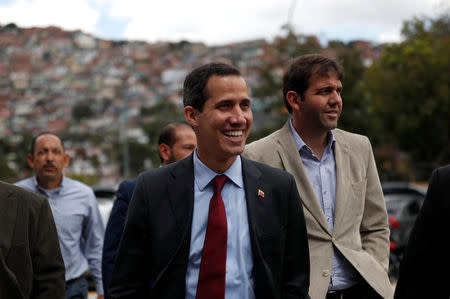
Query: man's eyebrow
x=245, y=100
x=223, y=102
x=228, y=101
x=328, y=87
x=323, y=88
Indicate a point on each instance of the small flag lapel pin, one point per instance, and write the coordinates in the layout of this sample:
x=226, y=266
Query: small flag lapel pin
x=260, y=193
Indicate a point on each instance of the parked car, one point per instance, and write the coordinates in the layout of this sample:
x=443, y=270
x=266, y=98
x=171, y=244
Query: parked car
x=105, y=199
x=403, y=203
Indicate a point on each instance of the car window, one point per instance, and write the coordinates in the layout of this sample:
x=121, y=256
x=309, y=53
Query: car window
x=104, y=193
x=395, y=203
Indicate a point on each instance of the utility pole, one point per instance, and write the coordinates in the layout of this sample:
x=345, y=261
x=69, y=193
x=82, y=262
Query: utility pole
x=289, y=26
x=291, y=44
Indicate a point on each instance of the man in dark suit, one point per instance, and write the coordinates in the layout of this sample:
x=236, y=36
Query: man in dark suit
x=422, y=270
x=176, y=142
x=31, y=265
x=187, y=237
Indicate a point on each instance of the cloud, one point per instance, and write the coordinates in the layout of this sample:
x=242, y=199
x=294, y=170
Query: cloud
x=68, y=14
x=201, y=20
x=226, y=21
x=363, y=19
x=220, y=22
x=390, y=37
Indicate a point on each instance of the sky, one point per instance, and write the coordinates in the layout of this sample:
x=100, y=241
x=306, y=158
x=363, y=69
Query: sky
x=221, y=22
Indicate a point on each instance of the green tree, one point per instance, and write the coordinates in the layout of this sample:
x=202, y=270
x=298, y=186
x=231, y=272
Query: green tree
x=81, y=111
x=355, y=104
x=161, y=115
x=408, y=89
x=14, y=151
x=137, y=152
x=6, y=173
x=268, y=91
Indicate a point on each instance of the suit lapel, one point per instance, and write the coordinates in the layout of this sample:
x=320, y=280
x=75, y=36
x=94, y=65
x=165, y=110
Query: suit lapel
x=252, y=183
x=343, y=185
x=290, y=157
x=8, y=215
x=181, y=194
x=258, y=204
x=180, y=189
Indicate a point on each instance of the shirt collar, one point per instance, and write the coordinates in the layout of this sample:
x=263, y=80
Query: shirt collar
x=203, y=174
x=58, y=189
x=300, y=143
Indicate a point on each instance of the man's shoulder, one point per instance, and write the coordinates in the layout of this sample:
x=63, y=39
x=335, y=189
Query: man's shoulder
x=126, y=189
x=79, y=190
x=78, y=185
x=127, y=184
x=265, y=148
x=440, y=178
x=23, y=194
x=167, y=170
x=266, y=170
x=161, y=178
x=444, y=172
x=25, y=183
x=155, y=173
x=355, y=143
x=348, y=137
x=263, y=142
x=267, y=177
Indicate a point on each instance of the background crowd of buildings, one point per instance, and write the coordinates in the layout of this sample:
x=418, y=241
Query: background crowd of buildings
x=80, y=86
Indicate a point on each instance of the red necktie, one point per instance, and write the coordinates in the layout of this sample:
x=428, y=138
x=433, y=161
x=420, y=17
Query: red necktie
x=211, y=280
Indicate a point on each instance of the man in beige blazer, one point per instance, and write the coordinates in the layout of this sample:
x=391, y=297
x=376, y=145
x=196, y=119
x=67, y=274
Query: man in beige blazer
x=337, y=180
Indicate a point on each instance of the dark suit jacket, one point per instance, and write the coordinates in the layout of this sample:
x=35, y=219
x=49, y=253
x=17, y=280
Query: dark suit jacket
x=427, y=256
x=154, y=250
x=114, y=229
x=31, y=265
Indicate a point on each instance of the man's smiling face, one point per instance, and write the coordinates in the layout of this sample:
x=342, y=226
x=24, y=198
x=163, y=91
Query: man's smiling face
x=222, y=127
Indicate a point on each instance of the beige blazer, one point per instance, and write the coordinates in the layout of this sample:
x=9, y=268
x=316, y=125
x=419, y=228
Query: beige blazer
x=361, y=230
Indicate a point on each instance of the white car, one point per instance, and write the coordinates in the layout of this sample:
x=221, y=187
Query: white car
x=105, y=198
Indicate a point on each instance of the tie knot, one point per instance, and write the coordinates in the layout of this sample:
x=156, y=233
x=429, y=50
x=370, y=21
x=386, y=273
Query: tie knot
x=218, y=183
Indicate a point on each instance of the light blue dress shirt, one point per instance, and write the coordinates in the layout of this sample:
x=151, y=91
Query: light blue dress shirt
x=239, y=264
x=79, y=225
x=322, y=176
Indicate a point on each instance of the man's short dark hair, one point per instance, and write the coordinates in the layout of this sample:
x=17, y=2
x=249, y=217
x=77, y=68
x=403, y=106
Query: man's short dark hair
x=168, y=134
x=33, y=142
x=302, y=68
x=194, y=93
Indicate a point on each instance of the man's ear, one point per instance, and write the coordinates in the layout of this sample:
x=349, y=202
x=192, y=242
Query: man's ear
x=191, y=115
x=293, y=99
x=66, y=160
x=30, y=160
x=164, y=151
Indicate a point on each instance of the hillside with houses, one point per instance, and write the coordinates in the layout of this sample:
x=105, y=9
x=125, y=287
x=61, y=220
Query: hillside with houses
x=97, y=93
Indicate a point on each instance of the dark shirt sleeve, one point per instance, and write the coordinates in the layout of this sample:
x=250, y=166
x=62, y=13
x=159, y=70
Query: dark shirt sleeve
x=114, y=230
